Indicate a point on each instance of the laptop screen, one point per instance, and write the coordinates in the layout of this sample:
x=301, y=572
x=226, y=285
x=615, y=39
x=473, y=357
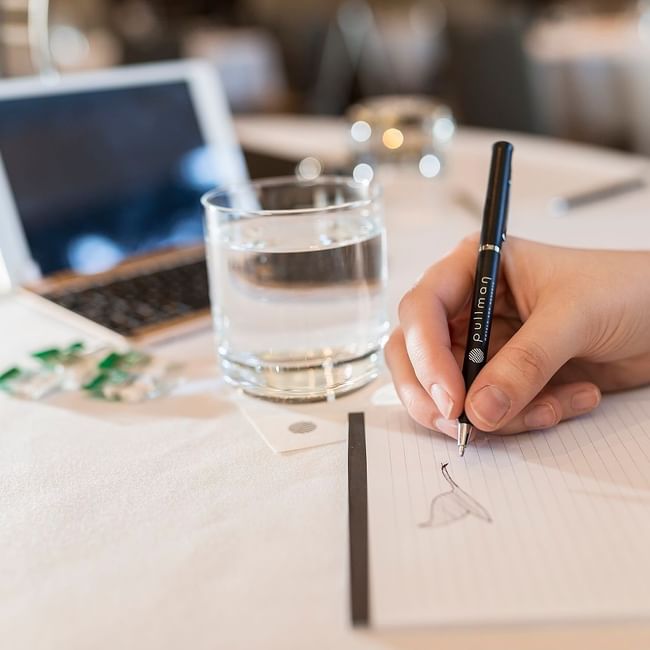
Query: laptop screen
x=99, y=176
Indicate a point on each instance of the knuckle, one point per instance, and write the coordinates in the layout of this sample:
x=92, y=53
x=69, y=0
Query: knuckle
x=410, y=400
x=391, y=349
x=530, y=361
x=405, y=304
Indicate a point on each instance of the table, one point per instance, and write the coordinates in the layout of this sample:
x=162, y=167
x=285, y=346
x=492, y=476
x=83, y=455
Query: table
x=172, y=525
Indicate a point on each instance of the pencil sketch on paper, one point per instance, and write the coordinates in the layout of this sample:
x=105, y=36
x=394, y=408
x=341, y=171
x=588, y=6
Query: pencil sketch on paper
x=453, y=505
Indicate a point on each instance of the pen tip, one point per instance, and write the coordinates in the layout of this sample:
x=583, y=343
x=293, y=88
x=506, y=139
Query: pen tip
x=461, y=450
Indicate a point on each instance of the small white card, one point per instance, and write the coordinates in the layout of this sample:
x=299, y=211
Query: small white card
x=289, y=427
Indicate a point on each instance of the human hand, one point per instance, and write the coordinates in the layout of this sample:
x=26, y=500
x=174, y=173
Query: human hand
x=567, y=325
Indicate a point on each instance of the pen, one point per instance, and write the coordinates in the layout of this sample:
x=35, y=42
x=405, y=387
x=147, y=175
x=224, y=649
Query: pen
x=562, y=205
x=493, y=235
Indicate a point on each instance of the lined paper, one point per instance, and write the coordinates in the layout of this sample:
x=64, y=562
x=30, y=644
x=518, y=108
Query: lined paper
x=551, y=526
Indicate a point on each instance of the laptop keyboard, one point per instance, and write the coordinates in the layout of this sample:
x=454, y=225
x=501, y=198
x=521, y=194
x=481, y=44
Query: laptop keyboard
x=129, y=304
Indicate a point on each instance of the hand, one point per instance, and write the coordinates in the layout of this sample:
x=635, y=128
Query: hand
x=567, y=325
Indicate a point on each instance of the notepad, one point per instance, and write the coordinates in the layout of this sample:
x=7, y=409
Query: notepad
x=551, y=526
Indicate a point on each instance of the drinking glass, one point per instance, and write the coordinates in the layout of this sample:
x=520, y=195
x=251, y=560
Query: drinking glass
x=298, y=281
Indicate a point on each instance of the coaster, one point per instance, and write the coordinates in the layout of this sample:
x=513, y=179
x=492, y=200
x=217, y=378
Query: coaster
x=302, y=426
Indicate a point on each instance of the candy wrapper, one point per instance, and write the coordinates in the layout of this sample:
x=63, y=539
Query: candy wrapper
x=125, y=376
x=133, y=377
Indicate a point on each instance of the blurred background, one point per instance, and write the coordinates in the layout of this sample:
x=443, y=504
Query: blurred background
x=573, y=69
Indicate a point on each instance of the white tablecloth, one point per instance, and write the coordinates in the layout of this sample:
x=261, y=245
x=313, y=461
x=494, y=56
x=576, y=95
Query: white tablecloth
x=172, y=525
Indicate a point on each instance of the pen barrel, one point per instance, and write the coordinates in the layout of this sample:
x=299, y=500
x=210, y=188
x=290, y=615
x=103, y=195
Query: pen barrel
x=493, y=235
x=480, y=318
x=495, y=215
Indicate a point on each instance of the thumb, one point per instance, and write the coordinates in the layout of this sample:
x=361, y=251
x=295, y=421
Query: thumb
x=521, y=368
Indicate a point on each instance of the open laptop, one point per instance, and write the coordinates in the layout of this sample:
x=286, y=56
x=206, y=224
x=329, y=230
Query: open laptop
x=101, y=176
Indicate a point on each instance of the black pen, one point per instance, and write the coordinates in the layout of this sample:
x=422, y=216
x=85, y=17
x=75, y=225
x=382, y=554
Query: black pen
x=493, y=236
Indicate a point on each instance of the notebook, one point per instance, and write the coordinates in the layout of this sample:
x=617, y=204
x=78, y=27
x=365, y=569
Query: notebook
x=541, y=527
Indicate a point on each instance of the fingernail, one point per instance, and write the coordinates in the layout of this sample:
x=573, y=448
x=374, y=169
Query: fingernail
x=540, y=417
x=442, y=400
x=448, y=427
x=585, y=400
x=490, y=404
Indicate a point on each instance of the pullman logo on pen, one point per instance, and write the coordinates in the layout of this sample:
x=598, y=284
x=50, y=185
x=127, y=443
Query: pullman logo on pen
x=483, y=302
x=476, y=355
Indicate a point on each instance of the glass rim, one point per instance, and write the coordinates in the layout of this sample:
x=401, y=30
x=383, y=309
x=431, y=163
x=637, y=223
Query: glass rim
x=388, y=110
x=374, y=193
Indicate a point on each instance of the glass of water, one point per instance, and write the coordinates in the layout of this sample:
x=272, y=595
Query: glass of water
x=298, y=282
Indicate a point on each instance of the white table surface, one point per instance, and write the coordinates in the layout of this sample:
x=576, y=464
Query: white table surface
x=172, y=525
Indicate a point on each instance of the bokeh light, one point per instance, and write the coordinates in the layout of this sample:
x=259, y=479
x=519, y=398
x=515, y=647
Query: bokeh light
x=363, y=173
x=392, y=138
x=430, y=165
x=360, y=131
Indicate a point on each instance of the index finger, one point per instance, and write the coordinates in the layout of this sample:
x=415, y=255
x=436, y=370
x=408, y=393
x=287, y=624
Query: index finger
x=425, y=312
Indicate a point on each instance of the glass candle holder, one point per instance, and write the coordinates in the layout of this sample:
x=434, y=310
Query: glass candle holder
x=399, y=131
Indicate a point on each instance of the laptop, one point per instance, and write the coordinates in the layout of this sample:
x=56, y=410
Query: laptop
x=101, y=176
